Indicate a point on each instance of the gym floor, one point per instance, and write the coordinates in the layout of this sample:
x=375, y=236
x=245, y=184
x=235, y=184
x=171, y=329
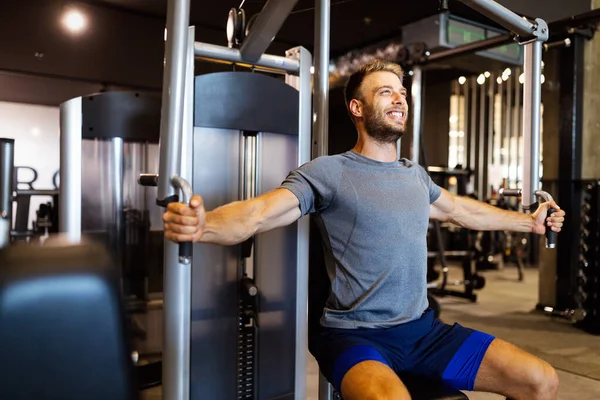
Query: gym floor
x=505, y=309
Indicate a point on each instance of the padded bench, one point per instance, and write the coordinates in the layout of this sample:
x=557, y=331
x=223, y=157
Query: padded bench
x=63, y=332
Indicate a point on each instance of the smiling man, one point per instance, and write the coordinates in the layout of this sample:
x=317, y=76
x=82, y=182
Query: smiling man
x=373, y=211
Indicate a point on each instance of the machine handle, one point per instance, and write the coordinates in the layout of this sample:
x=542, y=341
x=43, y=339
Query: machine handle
x=148, y=179
x=550, y=234
x=510, y=192
x=185, y=248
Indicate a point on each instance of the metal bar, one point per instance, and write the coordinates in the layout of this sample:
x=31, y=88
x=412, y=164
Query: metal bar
x=416, y=93
x=473, y=124
x=508, y=126
x=211, y=52
x=325, y=388
x=481, y=145
x=69, y=209
x=264, y=30
x=117, y=195
x=514, y=162
x=491, y=91
x=473, y=47
x=171, y=123
x=321, y=78
x=532, y=100
x=304, y=154
x=177, y=277
x=7, y=162
x=502, y=16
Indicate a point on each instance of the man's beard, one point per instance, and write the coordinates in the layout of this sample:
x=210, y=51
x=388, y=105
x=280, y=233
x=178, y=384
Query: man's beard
x=379, y=129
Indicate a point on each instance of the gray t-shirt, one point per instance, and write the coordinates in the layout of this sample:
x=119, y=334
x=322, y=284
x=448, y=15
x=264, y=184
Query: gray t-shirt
x=374, y=218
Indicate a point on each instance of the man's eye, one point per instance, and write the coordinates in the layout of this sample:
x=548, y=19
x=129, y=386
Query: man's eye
x=386, y=91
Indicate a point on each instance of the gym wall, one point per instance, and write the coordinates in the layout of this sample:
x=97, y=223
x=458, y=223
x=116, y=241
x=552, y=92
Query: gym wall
x=37, y=141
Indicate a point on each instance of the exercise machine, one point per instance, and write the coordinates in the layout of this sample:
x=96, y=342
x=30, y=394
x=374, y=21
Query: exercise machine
x=14, y=221
x=107, y=140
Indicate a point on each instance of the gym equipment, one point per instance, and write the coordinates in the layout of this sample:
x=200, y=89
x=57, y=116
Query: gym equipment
x=107, y=140
x=6, y=187
x=16, y=228
x=63, y=330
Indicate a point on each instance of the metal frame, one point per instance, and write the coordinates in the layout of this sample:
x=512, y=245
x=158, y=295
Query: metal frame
x=177, y=387
x=533, y=34
x=268, y=23
x=7, y=161
x=176, y=160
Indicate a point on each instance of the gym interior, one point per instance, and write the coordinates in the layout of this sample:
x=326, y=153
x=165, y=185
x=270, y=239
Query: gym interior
x=112, y=109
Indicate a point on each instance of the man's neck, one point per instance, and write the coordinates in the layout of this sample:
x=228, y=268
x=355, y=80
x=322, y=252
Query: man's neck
x=384, y=152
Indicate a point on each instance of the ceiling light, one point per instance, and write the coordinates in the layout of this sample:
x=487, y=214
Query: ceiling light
x=462, y=80
x=481, y=79
x=74, y=21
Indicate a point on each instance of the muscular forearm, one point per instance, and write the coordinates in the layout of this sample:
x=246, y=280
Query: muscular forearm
x=230, y=224
x=476, y=215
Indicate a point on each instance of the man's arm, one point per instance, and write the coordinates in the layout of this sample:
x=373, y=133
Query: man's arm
x=232, y=223
x=477, y=215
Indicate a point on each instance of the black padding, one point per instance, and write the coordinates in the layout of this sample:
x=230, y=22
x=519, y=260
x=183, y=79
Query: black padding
x=62, y=332
x=318, y=291
x=132, y=116
x=245, y=101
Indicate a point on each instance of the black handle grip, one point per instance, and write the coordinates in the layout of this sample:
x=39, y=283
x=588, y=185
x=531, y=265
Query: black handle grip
x=148, y=179
x=185, y=252
x=550, y=234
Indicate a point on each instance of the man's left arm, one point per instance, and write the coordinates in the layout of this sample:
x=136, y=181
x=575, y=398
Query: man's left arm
x=473, y=214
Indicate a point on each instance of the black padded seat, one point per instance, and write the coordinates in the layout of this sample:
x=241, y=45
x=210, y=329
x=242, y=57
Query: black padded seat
x=318, y=291
x=62, y=331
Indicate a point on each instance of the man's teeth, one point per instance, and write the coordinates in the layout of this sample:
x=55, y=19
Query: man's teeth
x=397, y=113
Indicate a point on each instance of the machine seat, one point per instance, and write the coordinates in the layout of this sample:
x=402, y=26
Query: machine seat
x=62, y=332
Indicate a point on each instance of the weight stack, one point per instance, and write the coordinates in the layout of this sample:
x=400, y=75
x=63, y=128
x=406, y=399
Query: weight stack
x=588, y=277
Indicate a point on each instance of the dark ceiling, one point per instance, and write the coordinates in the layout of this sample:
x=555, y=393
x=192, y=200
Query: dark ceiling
x=354, y=23
x=123, y=48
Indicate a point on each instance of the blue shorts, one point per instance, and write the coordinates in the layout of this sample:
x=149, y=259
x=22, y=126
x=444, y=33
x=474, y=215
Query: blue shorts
x=425, y=347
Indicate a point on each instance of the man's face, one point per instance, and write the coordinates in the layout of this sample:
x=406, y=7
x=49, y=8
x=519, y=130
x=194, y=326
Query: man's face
x=384, y=108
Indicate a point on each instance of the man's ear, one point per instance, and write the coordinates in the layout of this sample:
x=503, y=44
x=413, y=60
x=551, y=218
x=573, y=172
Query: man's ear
x=356, y=108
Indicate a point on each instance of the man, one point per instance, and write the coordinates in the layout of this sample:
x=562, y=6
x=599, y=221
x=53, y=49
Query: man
x=373, y=211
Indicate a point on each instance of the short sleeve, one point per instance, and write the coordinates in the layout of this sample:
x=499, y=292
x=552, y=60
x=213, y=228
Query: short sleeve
x=314, y=183
x=434, y=189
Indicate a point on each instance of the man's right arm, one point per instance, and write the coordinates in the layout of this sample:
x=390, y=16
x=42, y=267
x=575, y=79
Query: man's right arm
x=232, y=223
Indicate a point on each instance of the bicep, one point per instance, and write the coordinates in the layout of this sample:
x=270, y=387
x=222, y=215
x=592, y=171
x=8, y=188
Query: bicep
x=442, y=208
x=277, y=208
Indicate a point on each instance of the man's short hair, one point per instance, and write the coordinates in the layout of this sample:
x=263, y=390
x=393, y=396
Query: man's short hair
x=352, y=88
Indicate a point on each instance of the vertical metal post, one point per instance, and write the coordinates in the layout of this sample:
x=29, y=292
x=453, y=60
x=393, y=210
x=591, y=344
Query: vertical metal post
x=117, y=184
x=532, y=100
x=490, y=135
x=481, y=145
x=509, y=113
x=7, y=162
x=69, y=208
x=517, y=126
x=321, y=78
x=305, y=123
x=177, y=276
x=417, y=105
x=467, y=125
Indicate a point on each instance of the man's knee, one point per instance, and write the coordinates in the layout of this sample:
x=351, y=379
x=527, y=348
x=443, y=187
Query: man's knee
x=372, y=380
x=544, y=381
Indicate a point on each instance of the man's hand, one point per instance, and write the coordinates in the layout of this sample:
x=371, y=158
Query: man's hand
x=541, y=219
x=185, y=223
